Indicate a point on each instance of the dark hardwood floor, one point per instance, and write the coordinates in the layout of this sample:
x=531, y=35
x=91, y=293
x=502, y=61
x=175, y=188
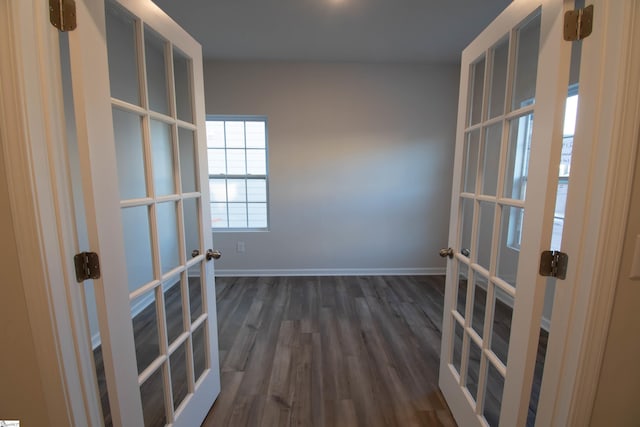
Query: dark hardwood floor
x=330, y=351
x=320, y=351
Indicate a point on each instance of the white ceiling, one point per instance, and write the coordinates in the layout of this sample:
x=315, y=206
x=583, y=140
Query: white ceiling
x=334, y=30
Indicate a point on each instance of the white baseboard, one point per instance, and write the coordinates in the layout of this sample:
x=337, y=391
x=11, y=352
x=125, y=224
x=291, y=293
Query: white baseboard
x=332, y=272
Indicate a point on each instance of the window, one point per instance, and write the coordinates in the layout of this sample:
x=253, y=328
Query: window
x=525, y=127
x=237, y=153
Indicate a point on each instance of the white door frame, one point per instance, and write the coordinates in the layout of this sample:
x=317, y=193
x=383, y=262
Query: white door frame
x=32, y=133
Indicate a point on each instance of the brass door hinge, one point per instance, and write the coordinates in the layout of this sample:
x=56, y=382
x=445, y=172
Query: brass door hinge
x=578, y=24
x=87, y=266
x=554, y=264
x=62, y=14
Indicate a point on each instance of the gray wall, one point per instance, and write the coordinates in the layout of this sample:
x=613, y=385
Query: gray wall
x=360, y=164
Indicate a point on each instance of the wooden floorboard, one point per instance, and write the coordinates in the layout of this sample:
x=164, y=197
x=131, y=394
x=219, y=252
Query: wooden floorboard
x=322, y=352
x=330, y=351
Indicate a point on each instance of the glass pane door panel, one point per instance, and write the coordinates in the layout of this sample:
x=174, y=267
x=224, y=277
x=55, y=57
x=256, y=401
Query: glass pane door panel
x=457, y=345
x=501, y=331
x=473, y=369
x=188, y=166
x=127, y=128
x=157, y=88
x=509, y=246
x=195, y=293
x=184, y=95
x=137, y=245
x=491, y=159
x=173, y=308
x=168, y=235
x=467, y=222
x=476, y=91
x=152, y=394
x=162, y=154
x=498, y=78
x=493, y=396
x=145, y=329
x=179, y=381
x=528, y=41
x=471, y=154
x=479, y=303
x=517, y=169
x=485, y=233
x=463, y=277
x=191, y=227
x=199, y=351
x=123, y=54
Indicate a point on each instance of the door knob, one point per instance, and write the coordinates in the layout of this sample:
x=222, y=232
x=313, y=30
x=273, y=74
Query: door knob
x=211, y=254
x=446, y=252
x=195, y=253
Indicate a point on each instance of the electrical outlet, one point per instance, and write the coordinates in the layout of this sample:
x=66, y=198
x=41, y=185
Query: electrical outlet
x=240, y=247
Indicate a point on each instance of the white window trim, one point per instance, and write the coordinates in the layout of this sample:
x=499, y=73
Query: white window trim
x=238, y=118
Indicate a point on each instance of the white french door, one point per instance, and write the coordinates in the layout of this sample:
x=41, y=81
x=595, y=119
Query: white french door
x=514, y=80
x=139, y=102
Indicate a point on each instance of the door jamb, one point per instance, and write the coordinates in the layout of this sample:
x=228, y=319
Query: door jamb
x=32, y=117
x=614, y=146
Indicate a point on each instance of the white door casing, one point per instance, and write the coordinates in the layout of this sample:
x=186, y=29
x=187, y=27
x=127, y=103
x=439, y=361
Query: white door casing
x=546, y=106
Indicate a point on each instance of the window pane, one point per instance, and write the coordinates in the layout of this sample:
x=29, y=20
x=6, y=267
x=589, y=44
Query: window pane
x=477, y=85
x=188, y=160
x=182, y=77
x=217, y=161
x=168, y=235
x=515, y=184
x=236, y=162
x=256, y=190
x=162, y=155
x=255, y=134
x=219, y=215
x=215, y=134
x=218, y=189
x=121, y=44
x=498, y=78
x=491, y=161
x=230, y=165
x=524, y=89
x=127, y=128
x=237, y=215
x=236, y=190
x=156, y=71
x=234, y=134
x=257, y=215
x=256, y=162
x=471, y=148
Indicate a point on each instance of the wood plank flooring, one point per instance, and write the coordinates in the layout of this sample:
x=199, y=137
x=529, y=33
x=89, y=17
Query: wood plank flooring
x=330, y=351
